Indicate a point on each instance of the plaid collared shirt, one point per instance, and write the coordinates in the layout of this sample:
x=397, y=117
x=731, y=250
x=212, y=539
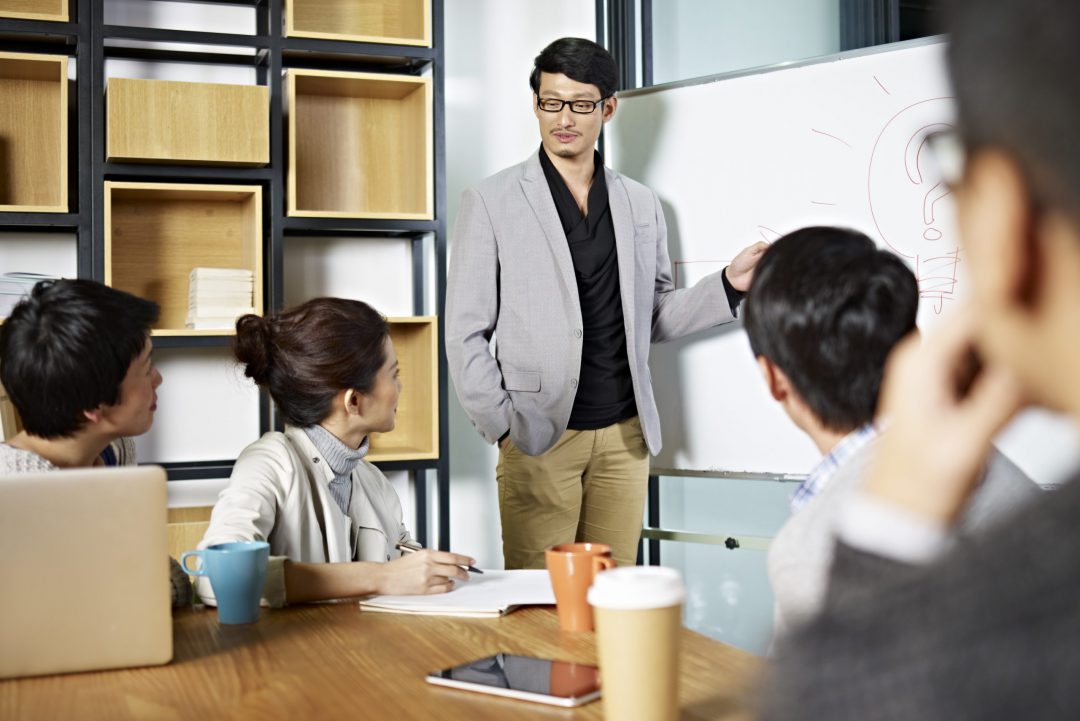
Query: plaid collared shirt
x=823, y=472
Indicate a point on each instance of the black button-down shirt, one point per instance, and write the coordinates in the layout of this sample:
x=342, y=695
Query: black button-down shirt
x=605, y=391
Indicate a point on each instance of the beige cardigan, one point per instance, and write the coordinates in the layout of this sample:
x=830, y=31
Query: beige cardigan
x=279, y=492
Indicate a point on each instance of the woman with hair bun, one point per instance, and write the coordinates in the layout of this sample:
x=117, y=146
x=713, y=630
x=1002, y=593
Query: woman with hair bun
x=332, y=519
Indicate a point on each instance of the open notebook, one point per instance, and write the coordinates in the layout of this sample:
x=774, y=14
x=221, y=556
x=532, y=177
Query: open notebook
x=495, y=593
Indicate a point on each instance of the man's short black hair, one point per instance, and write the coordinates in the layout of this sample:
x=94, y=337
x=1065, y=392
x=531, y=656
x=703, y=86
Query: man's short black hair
x=578, y=59
x=66, y=349
x=1014, y=72
x=826, y=306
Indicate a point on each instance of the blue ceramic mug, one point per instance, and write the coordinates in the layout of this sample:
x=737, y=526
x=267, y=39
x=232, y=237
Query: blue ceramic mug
x=236, y=571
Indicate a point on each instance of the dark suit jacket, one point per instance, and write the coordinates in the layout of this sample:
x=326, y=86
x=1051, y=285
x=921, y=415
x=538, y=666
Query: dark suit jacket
x=990, y=631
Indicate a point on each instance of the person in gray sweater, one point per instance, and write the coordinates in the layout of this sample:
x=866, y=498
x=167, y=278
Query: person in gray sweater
x=75, y=359
x=915, y=626
x=821, y=341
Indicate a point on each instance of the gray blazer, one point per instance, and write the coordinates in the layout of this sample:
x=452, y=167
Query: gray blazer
x=511, y=276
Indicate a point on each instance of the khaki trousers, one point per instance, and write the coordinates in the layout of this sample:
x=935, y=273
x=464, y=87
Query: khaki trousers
x=590, y=486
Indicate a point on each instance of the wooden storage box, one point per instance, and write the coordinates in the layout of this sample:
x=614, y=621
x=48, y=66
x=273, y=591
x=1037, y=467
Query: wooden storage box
x=398, y=22
x=360, y=145
x=166, y=121
x=186, y=527
x=416, y=434
x=155, y=233
x=33, y=133
x=52, y=10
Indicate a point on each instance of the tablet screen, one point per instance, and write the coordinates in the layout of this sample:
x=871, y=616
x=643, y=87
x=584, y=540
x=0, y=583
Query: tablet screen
x=537, y=679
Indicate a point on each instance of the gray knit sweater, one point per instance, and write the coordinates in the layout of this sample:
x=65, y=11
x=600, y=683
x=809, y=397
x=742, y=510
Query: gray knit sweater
x=16, y=460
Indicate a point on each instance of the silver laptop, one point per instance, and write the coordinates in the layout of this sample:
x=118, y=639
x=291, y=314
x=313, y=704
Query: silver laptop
x=84, y=571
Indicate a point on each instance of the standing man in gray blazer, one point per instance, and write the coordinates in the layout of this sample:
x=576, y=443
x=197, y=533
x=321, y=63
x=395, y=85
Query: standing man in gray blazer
x=565, y=263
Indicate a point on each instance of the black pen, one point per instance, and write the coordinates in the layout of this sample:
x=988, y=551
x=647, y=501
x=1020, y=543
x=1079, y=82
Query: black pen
x=406, y=548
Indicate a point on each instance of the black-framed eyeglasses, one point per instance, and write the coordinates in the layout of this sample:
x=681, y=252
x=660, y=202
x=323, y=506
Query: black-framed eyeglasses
x=581, y=107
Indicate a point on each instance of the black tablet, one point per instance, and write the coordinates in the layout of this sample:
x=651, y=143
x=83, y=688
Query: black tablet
x=559, y=683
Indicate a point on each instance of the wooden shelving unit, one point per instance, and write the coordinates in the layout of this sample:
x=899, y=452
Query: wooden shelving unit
x=155, y=233
x=51, y=10
x=33, y=133
x=416, y=434
x=400, y=22
x=167, y=121
x=341, y=136
x=360, y=145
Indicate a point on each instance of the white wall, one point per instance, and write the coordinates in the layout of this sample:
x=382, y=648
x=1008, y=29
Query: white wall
x=47, y=253
x=490, y=46
x=42, y=253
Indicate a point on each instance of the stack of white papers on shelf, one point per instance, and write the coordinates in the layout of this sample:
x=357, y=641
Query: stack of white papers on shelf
x=218, y=296
x=16, y=286
x=495, y=593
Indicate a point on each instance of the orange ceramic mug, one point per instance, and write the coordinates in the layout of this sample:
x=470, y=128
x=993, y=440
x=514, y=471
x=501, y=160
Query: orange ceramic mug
x=572, y=567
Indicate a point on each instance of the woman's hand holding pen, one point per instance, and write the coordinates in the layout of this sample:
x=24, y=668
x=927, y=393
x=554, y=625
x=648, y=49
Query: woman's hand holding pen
x=421, y=572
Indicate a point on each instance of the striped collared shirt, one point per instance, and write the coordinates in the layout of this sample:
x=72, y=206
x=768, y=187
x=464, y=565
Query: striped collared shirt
x=823, y=472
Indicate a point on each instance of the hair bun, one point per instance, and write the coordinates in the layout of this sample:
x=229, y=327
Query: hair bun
x=253, y=347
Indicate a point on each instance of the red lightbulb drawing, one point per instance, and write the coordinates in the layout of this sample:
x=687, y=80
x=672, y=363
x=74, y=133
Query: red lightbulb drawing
x=908, y=199
x=913, y=166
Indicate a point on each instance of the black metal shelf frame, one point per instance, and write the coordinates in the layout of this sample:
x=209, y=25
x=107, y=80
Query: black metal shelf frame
x=91, y=41
x=39, y=222
x=247, y=3
x=353, y=226
x=39, y=30
x=197, y=470
x=190, y=37
x=194, y=173
x=201, y=470
x=192, y=341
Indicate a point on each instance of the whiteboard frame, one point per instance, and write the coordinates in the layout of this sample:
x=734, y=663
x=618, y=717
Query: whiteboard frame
x=770, y=476
x=786, y=65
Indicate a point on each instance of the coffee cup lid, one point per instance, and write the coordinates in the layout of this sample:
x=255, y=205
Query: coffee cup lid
x=638, y=587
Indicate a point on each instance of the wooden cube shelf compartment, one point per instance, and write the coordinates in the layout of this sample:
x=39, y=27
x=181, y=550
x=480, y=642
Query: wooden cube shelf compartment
x=186, y=527
x=166, y=121
x=33, y=133
x=397, y=22
x=360, y=145
x=416, y=434
x=52, y=10
x=155, y=233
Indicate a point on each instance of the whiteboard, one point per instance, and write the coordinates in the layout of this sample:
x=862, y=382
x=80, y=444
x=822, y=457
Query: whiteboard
x=754, y=155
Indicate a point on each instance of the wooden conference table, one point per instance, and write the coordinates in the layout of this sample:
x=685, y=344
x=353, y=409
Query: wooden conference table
x=335, y=661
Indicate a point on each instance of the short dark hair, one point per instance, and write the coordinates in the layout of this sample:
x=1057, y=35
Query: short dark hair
x=306, y=355
x=66, y=348
x=826, y=306
x=578, y=59
x=1013, y=66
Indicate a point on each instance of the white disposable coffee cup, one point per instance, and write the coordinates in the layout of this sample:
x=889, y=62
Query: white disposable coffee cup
x=638, y=615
